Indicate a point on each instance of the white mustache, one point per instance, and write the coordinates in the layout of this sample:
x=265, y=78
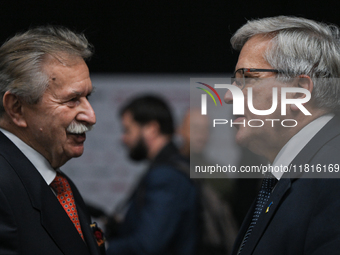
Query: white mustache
x=78, y=128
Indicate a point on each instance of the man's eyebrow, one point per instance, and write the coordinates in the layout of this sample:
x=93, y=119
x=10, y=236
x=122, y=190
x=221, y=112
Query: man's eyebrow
x=76, y=92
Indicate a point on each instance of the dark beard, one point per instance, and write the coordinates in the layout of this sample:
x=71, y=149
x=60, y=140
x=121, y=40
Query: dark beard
x=139, y=152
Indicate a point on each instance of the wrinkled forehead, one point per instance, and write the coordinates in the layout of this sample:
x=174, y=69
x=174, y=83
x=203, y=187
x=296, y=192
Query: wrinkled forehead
x=252, y=54
x=61, y=66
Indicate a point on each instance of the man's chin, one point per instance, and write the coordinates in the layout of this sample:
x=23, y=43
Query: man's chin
x=238, y=119
x=137, y=158
x=76, y=152
x=241, y=136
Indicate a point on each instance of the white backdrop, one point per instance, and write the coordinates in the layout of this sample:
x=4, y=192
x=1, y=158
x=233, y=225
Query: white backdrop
x=104, y=174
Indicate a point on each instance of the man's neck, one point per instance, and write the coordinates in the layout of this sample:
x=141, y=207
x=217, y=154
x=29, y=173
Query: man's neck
x=7, y=124
x=157, y=145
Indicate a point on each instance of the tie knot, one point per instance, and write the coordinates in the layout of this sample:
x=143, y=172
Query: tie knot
x=60, y=184
x=269, y=181
x=268, y=175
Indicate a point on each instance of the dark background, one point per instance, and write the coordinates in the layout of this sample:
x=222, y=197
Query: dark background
x=157, y=36
x=151, y=37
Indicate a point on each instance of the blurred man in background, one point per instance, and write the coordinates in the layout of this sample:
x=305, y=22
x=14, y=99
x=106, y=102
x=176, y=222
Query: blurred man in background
x=195, y=133
x=218, y=225
x=162, y=215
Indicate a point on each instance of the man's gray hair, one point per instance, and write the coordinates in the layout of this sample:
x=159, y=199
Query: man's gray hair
x=300, y=46
x=22, y=57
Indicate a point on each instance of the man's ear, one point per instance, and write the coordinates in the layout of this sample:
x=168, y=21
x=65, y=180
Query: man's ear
x=14, y=109
x=151, y=129
x=305, y=82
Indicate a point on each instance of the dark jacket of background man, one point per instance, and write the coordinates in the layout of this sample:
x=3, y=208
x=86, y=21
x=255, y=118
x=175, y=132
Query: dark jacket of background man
x=162, y=216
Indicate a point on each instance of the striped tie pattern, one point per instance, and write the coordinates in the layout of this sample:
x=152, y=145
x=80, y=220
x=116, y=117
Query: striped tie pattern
x=261, y=200
x=64, y=194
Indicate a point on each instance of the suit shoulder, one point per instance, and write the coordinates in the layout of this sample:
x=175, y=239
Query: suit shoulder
x=167, y=172
x=8, y=175
x=168, y=178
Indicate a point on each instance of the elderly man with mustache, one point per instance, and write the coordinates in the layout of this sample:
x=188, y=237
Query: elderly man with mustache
x=44, y=115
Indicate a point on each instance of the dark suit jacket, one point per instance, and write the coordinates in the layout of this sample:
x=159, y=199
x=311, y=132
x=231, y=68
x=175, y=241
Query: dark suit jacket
x=305, y=215
x=163, y=214
x=32, y=221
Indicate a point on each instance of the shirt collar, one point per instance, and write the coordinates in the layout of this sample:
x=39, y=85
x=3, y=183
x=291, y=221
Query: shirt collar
x=38, y=160
x=298, y=142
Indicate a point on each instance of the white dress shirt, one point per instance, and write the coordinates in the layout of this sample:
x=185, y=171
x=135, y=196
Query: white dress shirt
x=298, y=142
x=38, y=160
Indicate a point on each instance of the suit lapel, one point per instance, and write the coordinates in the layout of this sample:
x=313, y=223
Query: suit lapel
x=60, y=227
x=53, y=217
x=243, y=229
x=85, y=221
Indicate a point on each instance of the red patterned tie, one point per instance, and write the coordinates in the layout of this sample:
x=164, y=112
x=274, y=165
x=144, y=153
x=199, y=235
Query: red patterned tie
x=64, y=193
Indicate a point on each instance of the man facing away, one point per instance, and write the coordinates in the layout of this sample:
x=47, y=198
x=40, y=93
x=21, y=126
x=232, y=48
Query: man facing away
x=162, y=213
x=300, y=213
x=44, y=114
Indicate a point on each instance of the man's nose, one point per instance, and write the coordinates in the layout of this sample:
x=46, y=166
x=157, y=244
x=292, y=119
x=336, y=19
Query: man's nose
x=228, y=97
x=86, y=113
